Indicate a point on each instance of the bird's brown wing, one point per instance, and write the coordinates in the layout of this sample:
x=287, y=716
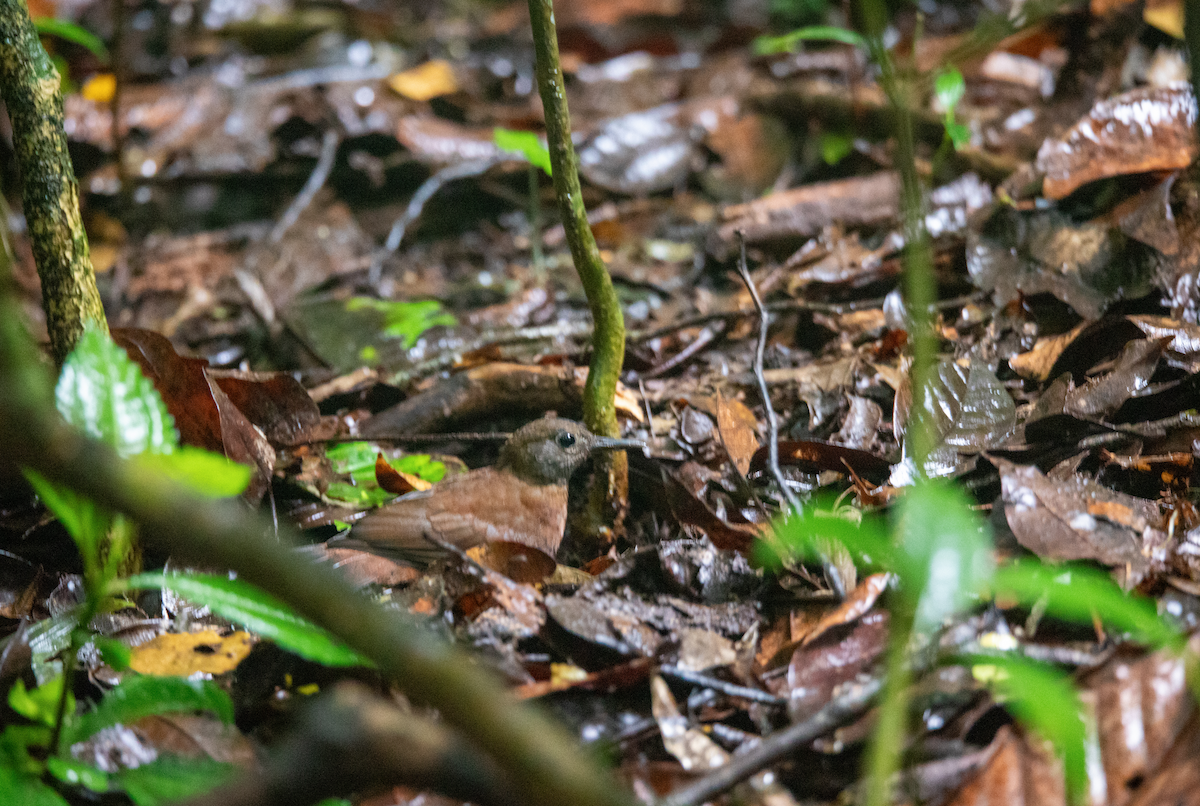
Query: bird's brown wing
x=485, y=504
x=502, y=507
x=397, y=530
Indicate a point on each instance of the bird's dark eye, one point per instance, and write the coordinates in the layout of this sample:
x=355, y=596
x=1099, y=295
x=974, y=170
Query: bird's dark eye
x=565, y=439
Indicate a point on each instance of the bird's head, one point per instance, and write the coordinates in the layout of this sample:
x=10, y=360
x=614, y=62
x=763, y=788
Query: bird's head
x=549, y=450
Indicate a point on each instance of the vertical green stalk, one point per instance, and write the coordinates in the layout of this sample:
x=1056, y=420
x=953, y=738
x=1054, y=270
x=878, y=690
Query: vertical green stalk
x=919, y=284
x=608, y=494
x=608, y=339
x=29, y=85
x=891, y=727
x=887, y=742
x=537, y=257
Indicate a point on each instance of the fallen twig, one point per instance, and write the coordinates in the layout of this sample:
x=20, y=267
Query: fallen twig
x=352, y=740
x=416, y=204
x=832, y=574
x=316, y=181
x=789, y=306
x=725, y=687
x=840, y=710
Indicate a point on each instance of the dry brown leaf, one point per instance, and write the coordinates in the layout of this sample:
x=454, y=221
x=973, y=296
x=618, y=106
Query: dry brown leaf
x=1022, y=770
x=738, y=427
x=1037, y=363
x=397, y=481
x=1147, y=129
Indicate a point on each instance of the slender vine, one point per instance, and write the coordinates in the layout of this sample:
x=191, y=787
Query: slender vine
x=29, y=85
x=887, y=742
x=608, y=336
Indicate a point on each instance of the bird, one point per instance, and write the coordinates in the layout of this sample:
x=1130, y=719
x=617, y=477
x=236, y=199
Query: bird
x=521, y=499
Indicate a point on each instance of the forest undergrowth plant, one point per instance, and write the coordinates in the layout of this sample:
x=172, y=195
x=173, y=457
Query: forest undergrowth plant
x=937, y=549
x=945, y=83
x=530, y=146
x=104, y=393
x=939, y=554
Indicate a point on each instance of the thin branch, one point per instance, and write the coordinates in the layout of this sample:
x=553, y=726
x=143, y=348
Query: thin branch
x=316, y=181
x=416, y=205
x=764, y=325
x=723, y=686
x=351, y=740
x=788, y=306
x=832, y=574
x=778, y=746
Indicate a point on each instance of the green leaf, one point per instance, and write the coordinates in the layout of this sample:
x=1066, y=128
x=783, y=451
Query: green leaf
x=1043, y=699
x=807, y=536
x=835, y=147
x=947, y=552
x=357, y=459
x=949, y=88
x=40, y=704
x=1078, y=593
x=76, y=773
x=144, y=695
x=959, y=134
x=103, y=392
x=170, y=779
x=765, y=45
x=358, y=495
x=86, y=523
x=71, y=32
x=15, y=742
x=47, y=639
x=405, y=320
x=114, y=653
x=351, y=457
x=527, y=144
x=17, y=787
x=258, y=612
x=421, y=465
x=204, y=472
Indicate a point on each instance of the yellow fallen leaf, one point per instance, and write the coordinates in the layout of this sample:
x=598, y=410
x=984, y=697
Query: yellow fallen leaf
x=566, y=673
x=100, y=88
x=1167, y=18
x=426, y=81
x=183, y=654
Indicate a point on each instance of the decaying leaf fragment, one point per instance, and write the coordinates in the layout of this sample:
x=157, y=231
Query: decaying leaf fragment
x=738, y=428
x=1078, y=519
x=968, y=411
x=1102, y=396
x=1147, y=129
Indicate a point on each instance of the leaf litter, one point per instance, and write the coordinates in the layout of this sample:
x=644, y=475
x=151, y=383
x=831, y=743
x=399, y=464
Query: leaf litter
x=1064, y=236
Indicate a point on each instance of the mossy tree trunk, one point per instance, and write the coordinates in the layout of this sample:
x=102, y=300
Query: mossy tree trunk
x=29, y=85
